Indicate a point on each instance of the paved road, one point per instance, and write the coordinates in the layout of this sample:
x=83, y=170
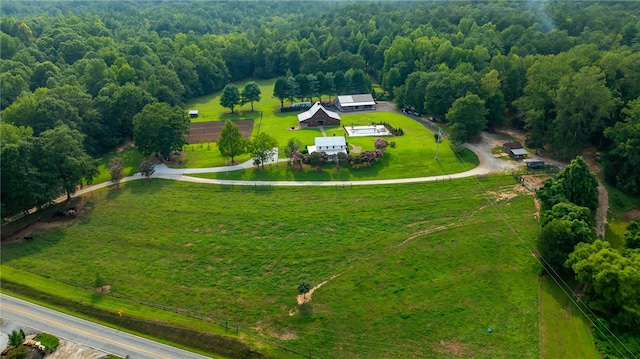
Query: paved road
x=16, y=311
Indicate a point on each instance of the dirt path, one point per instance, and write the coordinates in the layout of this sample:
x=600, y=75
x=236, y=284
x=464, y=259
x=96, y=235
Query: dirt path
x=603, y=195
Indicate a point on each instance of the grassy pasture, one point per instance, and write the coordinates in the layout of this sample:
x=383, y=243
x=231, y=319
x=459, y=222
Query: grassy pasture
x=564, y=330
x=422, y=270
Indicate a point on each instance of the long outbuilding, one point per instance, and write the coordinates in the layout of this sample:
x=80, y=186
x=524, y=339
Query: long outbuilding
x=360, y=102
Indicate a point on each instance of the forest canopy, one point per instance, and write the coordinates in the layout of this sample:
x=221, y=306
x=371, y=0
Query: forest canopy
x=566, y=72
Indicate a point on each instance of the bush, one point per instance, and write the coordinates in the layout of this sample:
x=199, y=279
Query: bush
x=19, y=352
x=294, y=108
x=392, y=144
x=16, y=338
x=48, y=340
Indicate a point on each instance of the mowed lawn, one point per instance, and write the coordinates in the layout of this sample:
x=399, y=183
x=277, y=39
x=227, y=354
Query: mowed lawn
x=413, y=155
x=409, y=271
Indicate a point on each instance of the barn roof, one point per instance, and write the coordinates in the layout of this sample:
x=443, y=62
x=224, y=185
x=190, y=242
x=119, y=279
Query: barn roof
x=513, y=145
x=312, y=111
x=519, y=151
x=356, y=100
x=193, y=112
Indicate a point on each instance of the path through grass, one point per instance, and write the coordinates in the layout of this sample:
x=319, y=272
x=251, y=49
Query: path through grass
x=424, y=268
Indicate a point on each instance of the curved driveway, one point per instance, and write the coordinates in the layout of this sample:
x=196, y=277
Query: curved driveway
x=488, y=164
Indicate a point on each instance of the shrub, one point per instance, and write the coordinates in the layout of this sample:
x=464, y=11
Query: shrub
x=48, y=340
x=16, y=338
x=392, y=144
x=19, y=352
x=380, y=144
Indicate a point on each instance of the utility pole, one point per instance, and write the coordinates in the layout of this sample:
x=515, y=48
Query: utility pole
x=438, y=142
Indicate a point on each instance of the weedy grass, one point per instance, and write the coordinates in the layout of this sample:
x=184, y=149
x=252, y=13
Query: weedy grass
x=417, y=270
x=564, y=330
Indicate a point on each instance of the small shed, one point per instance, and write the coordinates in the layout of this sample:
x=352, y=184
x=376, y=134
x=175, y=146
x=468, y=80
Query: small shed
x=194, y=113
x=534, y=163
x=514, y=150
x=318, y=116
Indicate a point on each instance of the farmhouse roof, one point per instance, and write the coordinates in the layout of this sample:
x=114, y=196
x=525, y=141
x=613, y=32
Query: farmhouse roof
x=356, y=100
x=331, y=141
x=513, y=145
x=313, y=110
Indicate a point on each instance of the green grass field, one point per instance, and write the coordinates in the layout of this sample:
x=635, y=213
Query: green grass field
x=412, y=274
x=565, y=332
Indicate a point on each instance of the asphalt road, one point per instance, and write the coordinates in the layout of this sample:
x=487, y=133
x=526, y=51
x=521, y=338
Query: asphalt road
x=16, y=312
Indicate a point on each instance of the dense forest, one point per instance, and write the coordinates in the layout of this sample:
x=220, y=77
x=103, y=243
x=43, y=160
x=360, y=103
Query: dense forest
x=74, y=73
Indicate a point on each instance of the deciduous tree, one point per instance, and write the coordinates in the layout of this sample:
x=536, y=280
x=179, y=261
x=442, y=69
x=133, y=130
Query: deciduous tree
x=160, y=128
x=467, y=117
x=146, y=168
x=230, y=97
x=251, y=93
x=293, y=145
x=262, y=148
x=62, y=162
x=231, y=143
x=280, y=90
x=579, y=184
x=116, y=170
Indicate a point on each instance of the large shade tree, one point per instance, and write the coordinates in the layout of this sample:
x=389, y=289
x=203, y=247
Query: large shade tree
x=62, y=162
x=230, y=97
x=251, y=93
x=467, y=117
x=579, y=184
x=160, y=128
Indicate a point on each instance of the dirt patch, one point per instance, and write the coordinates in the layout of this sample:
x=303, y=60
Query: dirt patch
x=105, y=289
x=631, y=215
x=188, y=244
x=355, y=149
x=69, y=350
x=454, y=348
x=28, y=228
x=502, y=196
x=203, y=132
x=306, y=298
x=288, y=334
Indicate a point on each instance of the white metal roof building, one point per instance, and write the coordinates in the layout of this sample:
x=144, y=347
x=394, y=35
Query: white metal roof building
x=359, y=102
x=330, y=145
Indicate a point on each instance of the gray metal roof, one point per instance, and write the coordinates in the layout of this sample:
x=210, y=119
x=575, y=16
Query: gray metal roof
x=312, y=111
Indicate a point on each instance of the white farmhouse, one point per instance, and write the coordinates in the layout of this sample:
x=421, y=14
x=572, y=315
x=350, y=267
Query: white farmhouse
x=331, y=145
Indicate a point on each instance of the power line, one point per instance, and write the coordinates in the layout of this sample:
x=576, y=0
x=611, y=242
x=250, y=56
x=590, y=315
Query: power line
x=546, y=268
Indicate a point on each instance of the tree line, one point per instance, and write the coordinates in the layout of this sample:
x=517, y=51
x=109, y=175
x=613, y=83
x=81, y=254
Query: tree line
x=94, y=66
x=611, y=277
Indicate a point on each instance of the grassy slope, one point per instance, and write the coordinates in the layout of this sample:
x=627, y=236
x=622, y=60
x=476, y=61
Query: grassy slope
x=239, y=253
x=564, y=330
